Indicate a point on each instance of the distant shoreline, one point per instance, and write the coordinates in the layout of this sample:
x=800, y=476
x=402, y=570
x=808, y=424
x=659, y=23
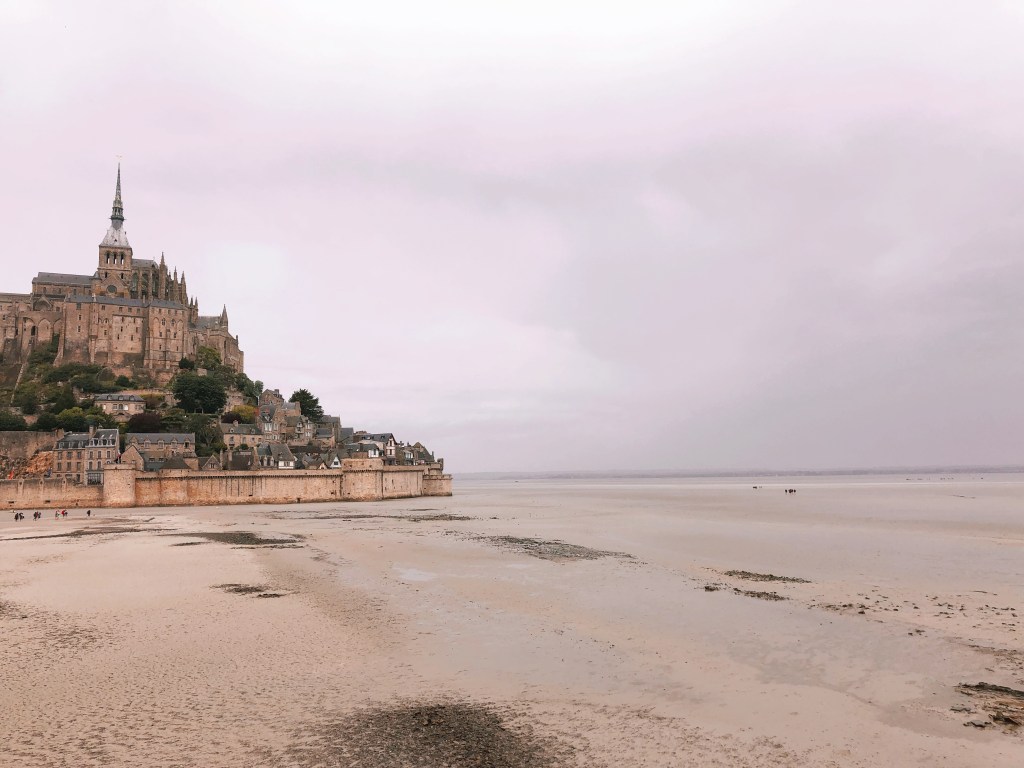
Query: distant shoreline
x=668, y=474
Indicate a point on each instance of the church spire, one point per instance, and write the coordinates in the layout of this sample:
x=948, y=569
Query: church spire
x=116, y=237
x=117, y=214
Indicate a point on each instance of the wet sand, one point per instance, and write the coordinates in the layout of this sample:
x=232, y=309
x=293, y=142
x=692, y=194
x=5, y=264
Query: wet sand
x=545, y=623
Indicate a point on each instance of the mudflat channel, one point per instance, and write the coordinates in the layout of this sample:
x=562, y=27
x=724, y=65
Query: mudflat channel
x=600, y=622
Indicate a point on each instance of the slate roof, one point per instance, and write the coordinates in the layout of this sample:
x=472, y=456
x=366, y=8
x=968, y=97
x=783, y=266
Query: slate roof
x=276, y=451
x=241, y=460
x=74, y=440
x=62, y=279
x=154, y=437
x=119, y=398
x=240, y=429
x=205, y=323
x=175, y=462
x=116, y=236
x=210, y=462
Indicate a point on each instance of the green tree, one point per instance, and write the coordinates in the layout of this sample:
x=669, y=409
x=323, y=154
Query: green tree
x=11, y=422
x=65, y=399
x=247, y=387
x=199, y=393
x=68, y=371
x=174, y=420
x=154, y=401
x=243, y=414
x=147, y=421
x=186, y=365
x=208, y=357
x=123, y=381
x=95, y=417
x=208, y=437
x=308, y=404
x=72, y=420
x=46, y=422
x=26, y=397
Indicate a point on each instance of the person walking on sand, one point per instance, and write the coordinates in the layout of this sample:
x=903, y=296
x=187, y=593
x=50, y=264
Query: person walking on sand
x=88, y=513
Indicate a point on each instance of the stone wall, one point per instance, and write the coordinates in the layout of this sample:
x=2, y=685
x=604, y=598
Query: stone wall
x=23, y=445
x=48, y=494
x=437, y=485
x=124, y=486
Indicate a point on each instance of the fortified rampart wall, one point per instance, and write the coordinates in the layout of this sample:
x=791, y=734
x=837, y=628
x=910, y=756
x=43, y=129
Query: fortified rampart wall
x=43, y=494
x=124, y=486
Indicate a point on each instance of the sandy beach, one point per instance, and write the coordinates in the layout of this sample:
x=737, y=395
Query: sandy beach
x=534, y=623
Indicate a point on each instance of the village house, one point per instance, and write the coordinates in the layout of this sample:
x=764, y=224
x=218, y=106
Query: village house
x=273, y=416
x=364, y=449
x=309, y=460
x=240, y=461
x=300, y=430
x=119, y=405
x=151, y=452
x=275, y=456
x=237, y=435
x=385, y=440
x=80, y=456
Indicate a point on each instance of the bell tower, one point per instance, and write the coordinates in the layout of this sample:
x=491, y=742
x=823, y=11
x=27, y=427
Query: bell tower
x=114, y=272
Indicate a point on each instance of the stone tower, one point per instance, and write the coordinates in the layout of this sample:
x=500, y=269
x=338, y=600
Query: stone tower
x=115, y=258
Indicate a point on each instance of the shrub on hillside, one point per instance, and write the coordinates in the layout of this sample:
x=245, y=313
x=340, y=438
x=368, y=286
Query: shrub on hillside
x=11, y=422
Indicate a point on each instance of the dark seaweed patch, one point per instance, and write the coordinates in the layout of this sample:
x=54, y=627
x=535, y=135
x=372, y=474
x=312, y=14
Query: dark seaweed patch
x=431, y=735
x=239, y=538
x=550, y=550
x=751, y=576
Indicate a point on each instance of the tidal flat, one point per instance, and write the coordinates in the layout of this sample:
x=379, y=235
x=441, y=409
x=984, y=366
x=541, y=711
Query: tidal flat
x=861, y=621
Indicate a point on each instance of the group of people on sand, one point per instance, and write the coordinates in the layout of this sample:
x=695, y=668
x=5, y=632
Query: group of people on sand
x=57, y=513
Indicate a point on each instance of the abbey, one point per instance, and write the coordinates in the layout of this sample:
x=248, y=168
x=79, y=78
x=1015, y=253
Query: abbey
x=131, y=315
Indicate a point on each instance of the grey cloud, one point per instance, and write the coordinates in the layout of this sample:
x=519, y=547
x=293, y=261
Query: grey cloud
x=765, y=234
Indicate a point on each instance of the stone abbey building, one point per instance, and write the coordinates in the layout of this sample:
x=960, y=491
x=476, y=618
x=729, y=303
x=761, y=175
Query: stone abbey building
x=131, y=315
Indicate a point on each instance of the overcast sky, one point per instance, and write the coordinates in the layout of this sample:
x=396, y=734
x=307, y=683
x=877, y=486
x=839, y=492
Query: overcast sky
x=561, y=235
